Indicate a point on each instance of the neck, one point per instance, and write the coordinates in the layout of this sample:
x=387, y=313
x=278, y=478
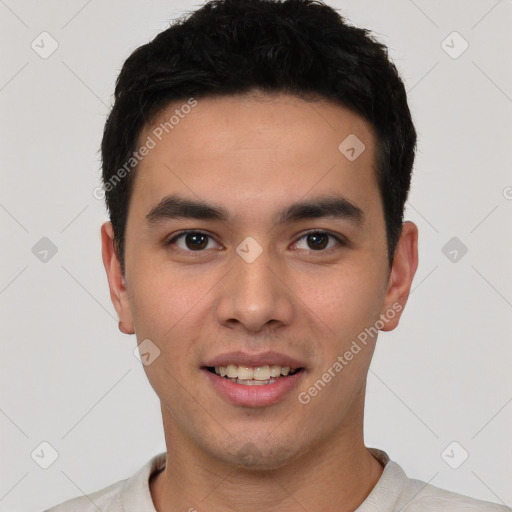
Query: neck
x=338, y=474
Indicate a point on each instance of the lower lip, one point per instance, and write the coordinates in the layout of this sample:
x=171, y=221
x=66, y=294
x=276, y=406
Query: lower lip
x=254, y=396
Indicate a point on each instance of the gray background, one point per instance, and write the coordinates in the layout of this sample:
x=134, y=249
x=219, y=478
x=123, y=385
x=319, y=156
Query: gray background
x=69, y=378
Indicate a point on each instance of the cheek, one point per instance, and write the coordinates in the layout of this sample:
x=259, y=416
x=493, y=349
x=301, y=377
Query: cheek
x=346, y=301
x=161, y=295
x=156, y=313
x=164, y=307
x=169, y=306
x=349, y=305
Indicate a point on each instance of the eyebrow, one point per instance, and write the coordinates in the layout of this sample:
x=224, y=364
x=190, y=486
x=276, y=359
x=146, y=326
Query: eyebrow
x=176, y=207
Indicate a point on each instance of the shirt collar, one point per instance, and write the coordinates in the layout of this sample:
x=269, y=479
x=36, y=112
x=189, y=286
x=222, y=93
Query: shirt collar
x=388, y=490
x=136, y=494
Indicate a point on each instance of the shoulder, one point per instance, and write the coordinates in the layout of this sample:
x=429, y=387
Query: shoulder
x=397, y=492
x=134, y=491
x=106, y=500
x=422, y=497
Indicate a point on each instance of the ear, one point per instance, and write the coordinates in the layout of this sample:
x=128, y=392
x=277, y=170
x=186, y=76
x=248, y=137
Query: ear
x=405, y=263
x=116, y=281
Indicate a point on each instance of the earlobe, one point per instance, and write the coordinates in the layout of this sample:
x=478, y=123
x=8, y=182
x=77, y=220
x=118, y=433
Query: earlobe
x=402, y=273
x=116, y=281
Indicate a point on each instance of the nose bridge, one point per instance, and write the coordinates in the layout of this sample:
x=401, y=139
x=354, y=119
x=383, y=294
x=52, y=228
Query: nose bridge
x=253, y=294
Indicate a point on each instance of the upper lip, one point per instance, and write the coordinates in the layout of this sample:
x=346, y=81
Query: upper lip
x=241, y=358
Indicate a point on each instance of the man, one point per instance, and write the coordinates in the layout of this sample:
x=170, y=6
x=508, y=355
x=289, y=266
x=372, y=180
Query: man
x=256, y=163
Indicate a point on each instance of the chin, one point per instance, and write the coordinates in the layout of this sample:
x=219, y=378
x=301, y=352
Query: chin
x=261, y=456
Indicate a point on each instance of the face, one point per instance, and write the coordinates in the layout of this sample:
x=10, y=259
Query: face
x=255, y=244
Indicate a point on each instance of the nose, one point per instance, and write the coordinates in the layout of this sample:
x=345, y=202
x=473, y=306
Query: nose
x=255, y=295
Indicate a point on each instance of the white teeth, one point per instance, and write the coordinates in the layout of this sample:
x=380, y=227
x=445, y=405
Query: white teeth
x=261, y=373
x=275, y=370
x=257, y=374
x=231, y=371
x=245, y=373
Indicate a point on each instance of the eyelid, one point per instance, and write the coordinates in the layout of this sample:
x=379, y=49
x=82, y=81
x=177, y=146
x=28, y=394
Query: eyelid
x=339, y=238
x=184, y=232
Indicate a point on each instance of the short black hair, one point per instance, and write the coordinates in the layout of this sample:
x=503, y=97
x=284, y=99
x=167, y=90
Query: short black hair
x=231, y=47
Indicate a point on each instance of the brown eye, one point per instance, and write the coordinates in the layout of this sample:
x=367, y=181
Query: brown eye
x=192, y=241
x=196, y=241
x=318, y=241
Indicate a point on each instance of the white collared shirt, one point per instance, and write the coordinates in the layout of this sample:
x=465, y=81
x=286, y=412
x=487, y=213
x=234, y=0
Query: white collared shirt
x=393, y=492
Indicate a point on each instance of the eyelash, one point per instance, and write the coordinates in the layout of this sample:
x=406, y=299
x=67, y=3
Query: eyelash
x=340, y=241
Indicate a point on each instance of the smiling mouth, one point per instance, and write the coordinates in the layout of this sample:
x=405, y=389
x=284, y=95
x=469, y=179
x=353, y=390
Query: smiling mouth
x=253, y=376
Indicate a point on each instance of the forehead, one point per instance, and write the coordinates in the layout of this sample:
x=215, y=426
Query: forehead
x=253, y=151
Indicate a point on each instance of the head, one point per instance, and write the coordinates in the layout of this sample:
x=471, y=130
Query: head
x=299, y=47
x=281, y=136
